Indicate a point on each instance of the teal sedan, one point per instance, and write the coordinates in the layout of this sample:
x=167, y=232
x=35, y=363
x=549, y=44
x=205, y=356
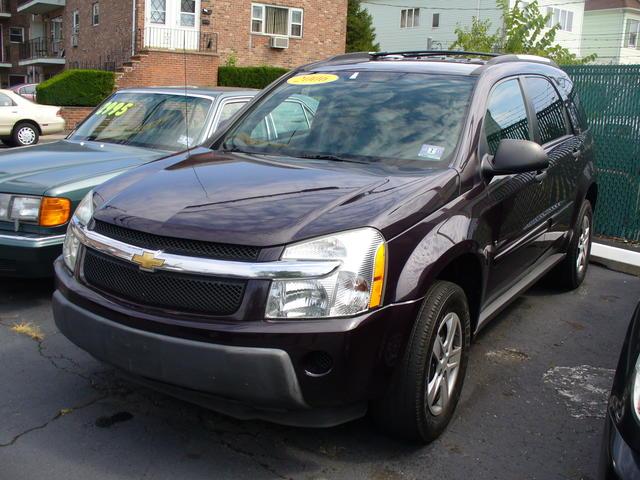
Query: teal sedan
x=40, y=186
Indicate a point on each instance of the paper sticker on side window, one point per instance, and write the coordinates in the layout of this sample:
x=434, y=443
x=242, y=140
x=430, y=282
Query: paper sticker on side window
x=432, y=152
x=115, y=109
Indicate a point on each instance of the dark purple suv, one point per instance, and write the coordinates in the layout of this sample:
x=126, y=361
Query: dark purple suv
x=341, y=242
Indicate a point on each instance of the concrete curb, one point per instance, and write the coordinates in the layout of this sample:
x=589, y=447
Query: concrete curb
x=619, y=259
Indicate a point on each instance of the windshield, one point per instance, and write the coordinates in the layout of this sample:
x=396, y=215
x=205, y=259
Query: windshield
x=359, y=116
x=149, y=120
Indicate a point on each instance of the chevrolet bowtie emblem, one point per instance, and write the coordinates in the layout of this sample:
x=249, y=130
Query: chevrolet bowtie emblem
x=147, y=261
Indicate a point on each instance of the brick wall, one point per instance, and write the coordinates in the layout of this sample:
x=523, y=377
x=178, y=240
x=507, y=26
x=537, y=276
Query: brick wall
x=325, y=26
x=160, y=68
x=100, y=43
x=74, y=115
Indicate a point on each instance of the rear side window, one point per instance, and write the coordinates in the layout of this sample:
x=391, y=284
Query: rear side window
x=229, y=109
x=549, y=108
x=506, y=115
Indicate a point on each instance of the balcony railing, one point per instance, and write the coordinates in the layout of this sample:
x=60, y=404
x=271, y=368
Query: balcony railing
x=41, y=48
x=176, y=39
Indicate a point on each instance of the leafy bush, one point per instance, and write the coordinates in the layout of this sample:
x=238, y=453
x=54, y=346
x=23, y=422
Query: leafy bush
x=248, y=77
x=76, y=88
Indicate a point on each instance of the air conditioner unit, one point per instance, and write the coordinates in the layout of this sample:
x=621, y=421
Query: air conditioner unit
x=74, y=40
x=279, y=42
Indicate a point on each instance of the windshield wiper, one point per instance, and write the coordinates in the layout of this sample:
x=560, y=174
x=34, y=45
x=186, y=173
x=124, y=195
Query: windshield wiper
x=333, y=158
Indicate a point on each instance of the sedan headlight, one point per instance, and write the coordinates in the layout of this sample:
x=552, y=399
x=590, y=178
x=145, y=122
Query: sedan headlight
x=354, y=287
x=82, y=216
x=44, y=211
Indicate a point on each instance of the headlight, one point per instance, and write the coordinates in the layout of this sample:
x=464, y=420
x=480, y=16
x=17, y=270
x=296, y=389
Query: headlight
x=354, y=287
x=44, y=211
x=25, y=209
x=82, y=215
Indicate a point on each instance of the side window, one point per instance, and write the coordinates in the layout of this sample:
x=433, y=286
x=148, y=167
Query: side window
x=549, y=108
x=228, y=111
x=5, y=101
x=289, y=118
x=506, y=115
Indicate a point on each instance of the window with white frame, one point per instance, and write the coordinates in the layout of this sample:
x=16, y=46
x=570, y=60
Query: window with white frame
x=95, y=13
x=272, y=20
x=16, y=34
x=76, y=22
x=559, y=16
x=409, y=17
x=632, y=34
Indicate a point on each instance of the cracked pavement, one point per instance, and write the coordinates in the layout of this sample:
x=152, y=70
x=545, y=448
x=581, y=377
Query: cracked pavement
x=64, y=415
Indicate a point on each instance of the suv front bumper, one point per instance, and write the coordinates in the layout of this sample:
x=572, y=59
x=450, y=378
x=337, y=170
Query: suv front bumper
x=28, y=255
x=248, y=370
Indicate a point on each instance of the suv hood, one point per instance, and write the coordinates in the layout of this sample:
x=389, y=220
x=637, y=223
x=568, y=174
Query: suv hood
x=264, y=201
x=59, y=165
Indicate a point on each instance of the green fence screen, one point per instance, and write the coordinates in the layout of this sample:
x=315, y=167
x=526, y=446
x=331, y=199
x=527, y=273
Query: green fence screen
x=611, y=98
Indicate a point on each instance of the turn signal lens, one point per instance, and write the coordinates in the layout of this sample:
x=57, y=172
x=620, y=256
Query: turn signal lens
x=379, y=268
x=54, y=211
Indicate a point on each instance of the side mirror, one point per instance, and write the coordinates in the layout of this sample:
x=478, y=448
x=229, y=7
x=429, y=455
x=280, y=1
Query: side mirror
x=515, y=156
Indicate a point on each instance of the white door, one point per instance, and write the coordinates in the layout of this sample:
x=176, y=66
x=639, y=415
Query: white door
x=172, y=24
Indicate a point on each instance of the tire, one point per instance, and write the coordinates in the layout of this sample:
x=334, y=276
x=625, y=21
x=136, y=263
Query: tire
x=571, y=272
x=24, y=134
x=408, y=410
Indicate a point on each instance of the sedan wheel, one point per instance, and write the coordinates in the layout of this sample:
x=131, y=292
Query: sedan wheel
x=26, y=136
x=584, y=242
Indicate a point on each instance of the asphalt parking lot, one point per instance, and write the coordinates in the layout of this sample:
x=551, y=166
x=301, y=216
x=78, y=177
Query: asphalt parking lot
x=532, y=405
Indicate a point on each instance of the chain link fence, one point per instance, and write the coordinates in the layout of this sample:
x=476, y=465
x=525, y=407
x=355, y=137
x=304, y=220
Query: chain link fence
x=611, y=97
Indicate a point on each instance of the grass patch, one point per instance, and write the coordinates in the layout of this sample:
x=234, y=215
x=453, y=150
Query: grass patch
x=28, y=329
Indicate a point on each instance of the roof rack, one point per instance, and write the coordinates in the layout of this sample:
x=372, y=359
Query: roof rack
x=432, y=53
x=514, y=57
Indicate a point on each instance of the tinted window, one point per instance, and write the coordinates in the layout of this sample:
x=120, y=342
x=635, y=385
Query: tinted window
x=289, y=118
x=506, y=115
x=363, y=116
x=29, y=89
x=549, y=108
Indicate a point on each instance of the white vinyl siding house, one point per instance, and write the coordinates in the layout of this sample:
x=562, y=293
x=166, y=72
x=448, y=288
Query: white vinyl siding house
x=438, y=20
x=613, y=34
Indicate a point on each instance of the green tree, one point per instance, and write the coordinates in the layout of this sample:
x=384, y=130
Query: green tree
x=361, y=36
x=524, y=32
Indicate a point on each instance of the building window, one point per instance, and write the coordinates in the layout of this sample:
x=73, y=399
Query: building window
x=188, y=13
x=75, y=30
x=409, y=17
x=158, y=12
x=558, y=16
x=435, y=23
x=270, y=20
x=16, y=34
x=633, y=32
x=95, y=14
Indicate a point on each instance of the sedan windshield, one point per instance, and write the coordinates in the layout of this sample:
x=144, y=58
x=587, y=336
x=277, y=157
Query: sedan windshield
x=150, y=120
x=358, y=116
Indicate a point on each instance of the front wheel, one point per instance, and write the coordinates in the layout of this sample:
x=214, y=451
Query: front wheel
x=24, y=134
x=426, y=385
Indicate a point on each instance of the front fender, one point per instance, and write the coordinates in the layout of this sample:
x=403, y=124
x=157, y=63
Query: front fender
x=425, y=251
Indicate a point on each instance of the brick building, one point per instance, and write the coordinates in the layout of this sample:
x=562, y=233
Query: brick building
x=150, y=42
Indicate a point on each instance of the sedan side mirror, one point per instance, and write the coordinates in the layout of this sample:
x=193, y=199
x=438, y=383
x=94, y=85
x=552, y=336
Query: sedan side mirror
x=515, y=156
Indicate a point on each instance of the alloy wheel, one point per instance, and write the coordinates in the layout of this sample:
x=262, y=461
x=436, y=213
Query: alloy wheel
x=583, y=245
x=444, y=364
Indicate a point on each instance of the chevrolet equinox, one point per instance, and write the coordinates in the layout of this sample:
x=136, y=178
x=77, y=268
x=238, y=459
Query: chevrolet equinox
x=338, y=245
